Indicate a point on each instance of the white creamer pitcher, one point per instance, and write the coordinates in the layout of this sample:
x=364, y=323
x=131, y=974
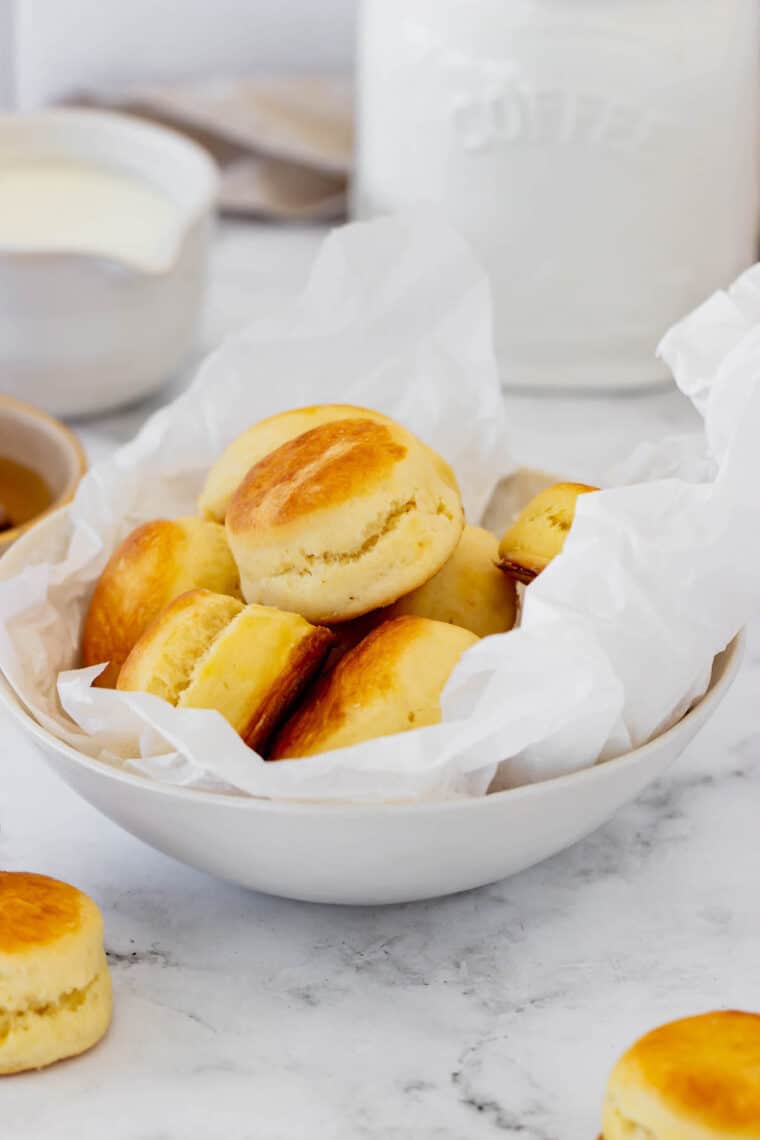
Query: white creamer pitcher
x=601, y=155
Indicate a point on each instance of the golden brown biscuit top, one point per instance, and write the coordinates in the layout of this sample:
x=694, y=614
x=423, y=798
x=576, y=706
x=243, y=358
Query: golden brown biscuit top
x=371, y=666
x=35, y=910
x=707, y=1068
x=375, y=655
x=153, y=544
x=324, y=467
x=121, y=604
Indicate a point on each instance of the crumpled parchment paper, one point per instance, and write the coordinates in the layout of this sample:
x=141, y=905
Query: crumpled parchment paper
x=618, y=635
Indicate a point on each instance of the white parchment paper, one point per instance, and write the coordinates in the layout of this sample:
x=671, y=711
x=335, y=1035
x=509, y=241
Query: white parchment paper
x=618, y=635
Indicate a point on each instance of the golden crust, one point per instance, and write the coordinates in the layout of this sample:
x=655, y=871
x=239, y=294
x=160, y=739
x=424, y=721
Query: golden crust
x=259, y=440
x=154, y=564
x=343, y=519
x=321, y=468
x=209, y=651
x=35, y=910
x=390, y=682
x=124, y=603
x=693, y=1079
x=538, y=533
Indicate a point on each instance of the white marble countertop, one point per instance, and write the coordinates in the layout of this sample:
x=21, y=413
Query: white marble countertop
x=495, y=1013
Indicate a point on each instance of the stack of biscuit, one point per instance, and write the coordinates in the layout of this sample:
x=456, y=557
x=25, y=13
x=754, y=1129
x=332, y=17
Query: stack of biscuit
x=325, y=591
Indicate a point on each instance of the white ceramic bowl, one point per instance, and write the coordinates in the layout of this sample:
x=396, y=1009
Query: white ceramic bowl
x=356, y=853
x=79, y=332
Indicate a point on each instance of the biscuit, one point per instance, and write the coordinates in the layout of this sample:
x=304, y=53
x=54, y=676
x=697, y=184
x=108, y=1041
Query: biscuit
x=154, y=564
x=259, y=440
x=390, y=682
x=343, y=519
x=538, y=533
x=695, y=1079
x=208, y=651
x=55, y=989
x=469, y=590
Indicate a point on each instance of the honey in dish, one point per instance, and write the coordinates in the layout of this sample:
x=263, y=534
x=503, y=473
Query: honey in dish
x=24, y=494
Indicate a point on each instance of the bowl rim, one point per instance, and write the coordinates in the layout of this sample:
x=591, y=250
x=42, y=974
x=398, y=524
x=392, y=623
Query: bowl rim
x=69, y=443
x=726, y=664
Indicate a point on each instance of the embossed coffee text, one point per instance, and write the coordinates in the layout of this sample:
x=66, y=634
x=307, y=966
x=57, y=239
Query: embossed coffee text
x=488, y=107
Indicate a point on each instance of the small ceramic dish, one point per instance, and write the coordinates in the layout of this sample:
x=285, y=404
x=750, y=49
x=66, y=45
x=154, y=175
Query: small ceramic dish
x=31, y=437
x=82, y=332
x=359, y=853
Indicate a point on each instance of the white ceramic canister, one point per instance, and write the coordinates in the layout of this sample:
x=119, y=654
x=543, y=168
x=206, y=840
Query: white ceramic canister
x=601, y=155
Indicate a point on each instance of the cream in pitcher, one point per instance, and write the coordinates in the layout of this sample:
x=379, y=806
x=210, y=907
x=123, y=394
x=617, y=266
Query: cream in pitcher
x=65, y=205
x=602, y=158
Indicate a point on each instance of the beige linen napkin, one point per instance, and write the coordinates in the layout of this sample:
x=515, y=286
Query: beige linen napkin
x=283, y=143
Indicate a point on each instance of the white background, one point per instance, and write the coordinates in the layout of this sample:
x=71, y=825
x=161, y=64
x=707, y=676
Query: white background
x=60, y=46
